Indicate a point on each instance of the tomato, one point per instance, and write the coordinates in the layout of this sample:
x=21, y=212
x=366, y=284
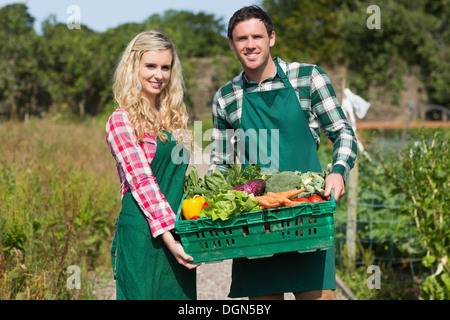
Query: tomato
x=315, y=198
x=302, y=200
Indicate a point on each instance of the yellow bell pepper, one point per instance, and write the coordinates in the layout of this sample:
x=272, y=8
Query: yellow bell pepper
x=192, y=207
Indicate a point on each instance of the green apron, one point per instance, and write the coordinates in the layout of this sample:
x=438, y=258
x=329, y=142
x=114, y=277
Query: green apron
x=288, y=135
x=144, y=268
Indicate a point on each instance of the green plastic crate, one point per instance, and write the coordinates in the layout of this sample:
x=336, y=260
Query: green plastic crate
x=257, y=234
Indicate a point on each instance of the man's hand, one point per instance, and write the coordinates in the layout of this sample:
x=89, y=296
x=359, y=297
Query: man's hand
x=334, y=181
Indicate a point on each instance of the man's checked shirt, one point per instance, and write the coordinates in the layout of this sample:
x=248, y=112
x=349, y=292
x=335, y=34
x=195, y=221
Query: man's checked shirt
x=317, y=99
x=133, y=161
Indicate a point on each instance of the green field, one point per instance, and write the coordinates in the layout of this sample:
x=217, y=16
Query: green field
x=58, y=201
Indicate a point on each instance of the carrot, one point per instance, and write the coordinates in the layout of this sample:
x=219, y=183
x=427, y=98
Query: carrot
x=293, y=203
x=290, y=193
x=267, y=202
x=281, y=198
x=264, y=204
x=276, y=199
x=268, y=199
x=276, y=195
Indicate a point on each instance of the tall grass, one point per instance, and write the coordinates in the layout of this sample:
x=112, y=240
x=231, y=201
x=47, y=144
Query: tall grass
x=59, y=197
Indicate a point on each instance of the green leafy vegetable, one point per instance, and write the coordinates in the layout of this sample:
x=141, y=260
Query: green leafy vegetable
x=225, y=204
x=214, y=183
x=193, y=184
x=313, y=183
x=236, y=175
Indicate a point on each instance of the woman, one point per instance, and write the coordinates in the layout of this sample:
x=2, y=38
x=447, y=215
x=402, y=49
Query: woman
x=148, y=260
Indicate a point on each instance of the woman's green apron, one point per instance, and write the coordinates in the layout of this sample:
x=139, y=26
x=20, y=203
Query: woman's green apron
x=290, y=147
x=143, y=267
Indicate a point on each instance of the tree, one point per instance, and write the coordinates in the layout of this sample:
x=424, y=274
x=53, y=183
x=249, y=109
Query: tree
x=19, y=86
x=69, y=65
x=412, y=34
x=306, y=31
x=195, y=35
x=108, y=51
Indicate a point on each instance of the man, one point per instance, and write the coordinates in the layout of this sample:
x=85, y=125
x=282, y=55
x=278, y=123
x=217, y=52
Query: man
x=290, y=103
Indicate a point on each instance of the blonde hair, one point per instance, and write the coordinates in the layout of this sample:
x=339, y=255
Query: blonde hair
x=128, y=89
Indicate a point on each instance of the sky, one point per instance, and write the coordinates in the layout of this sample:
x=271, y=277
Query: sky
x=99, y=15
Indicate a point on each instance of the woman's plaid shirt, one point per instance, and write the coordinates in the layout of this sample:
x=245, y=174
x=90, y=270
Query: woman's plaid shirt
x=317, y=99
x=133, y=161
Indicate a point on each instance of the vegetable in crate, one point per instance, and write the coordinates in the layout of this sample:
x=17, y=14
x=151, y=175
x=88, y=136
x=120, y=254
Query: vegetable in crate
x=192, y=207
x=236, y=175
x=278, y=199
x=283, y=181
x=315, y=198
x=193, y=184
x=254, y=187
x=214, y=183
x=313, y=183
x=225, y=204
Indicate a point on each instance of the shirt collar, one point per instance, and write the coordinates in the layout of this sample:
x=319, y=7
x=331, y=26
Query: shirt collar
x=251, y=82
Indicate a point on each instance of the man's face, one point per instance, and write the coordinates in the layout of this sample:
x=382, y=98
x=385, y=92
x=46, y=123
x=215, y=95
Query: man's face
x=252, y=44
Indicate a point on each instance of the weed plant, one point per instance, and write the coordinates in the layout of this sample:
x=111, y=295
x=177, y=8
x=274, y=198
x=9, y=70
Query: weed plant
x=59, y=197
x=394, y=232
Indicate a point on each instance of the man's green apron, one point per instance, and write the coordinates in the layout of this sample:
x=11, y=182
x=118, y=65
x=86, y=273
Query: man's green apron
x=290, y=147
x=143, y=266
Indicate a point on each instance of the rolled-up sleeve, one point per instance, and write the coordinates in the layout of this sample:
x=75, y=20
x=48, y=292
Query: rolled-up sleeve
x=134, y=161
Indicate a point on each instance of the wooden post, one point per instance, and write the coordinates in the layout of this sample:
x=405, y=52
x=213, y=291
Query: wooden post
x=352, y=187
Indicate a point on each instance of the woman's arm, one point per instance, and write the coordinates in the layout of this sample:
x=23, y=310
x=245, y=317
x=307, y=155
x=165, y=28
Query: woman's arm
x=135, y=164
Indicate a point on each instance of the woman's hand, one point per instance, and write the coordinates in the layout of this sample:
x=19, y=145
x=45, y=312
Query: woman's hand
x=178, y=251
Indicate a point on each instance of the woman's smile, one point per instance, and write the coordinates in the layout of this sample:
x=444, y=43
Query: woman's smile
x=154, y=73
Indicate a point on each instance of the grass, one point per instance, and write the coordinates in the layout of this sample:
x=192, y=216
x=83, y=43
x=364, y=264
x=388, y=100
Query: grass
x=58, y=202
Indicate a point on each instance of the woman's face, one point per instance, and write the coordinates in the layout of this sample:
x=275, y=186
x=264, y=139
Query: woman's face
x=154, y=73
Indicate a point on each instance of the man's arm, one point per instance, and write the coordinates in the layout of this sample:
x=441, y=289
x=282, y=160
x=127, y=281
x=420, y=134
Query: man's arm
x=336, y=127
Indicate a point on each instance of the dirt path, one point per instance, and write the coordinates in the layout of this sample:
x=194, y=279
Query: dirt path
x=213, y=283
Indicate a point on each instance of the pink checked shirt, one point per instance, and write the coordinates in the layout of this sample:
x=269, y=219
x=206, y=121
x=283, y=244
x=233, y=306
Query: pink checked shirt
x=133, y=164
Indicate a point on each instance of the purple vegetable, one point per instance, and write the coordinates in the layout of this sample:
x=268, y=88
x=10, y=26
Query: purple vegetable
x=239, y=187
x=254, y=186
